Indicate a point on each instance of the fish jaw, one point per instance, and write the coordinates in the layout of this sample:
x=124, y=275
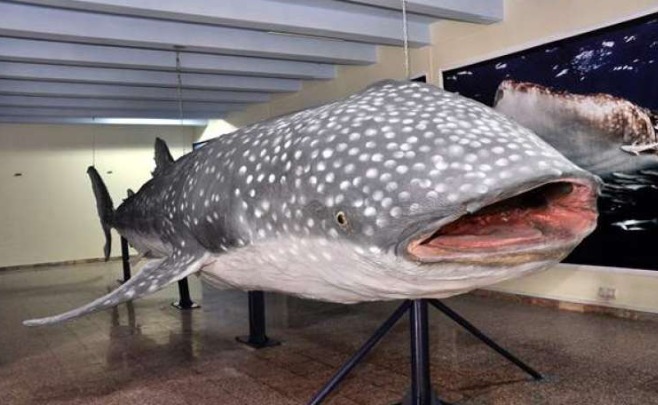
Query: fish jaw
x=340, y=272
x=542, y=223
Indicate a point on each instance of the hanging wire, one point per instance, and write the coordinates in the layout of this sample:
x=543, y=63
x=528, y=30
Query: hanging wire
x=93, y=143
x=179, y=87
x=405, y=36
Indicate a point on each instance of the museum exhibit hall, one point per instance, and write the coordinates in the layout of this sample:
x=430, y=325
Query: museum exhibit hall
x=338, y=202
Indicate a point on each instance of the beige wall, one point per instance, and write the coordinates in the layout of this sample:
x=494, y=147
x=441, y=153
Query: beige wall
x=49, y=214
x=214, y=129
x=349, y=79
x=527, y=23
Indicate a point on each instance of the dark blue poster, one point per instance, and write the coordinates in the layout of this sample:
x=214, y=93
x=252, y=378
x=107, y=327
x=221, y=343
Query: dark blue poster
x=594, y=97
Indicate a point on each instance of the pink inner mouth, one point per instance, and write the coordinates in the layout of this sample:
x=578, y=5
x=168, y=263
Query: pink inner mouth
x=555, y=215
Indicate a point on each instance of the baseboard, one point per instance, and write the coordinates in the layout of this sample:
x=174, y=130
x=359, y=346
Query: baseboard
x=622, y=313
x=37, y=266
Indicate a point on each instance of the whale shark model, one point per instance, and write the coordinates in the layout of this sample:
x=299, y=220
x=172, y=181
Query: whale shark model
x=599, y=132
x=400, y=191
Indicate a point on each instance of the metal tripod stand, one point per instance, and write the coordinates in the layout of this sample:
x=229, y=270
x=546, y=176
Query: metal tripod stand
x=420, y=392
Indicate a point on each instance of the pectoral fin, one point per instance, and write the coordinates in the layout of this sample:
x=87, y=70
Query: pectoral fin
x=155, y=275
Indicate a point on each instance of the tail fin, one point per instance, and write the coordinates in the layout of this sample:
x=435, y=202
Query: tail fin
x=104, y=206
x=163, y=158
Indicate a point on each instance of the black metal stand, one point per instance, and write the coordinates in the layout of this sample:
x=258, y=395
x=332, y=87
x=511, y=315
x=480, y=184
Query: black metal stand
x=421, y=385
x=125, y=260
x=257, y=338
x=185, y=302
x=421, y=392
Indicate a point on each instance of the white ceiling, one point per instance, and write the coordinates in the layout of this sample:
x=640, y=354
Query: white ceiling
x=68, y=60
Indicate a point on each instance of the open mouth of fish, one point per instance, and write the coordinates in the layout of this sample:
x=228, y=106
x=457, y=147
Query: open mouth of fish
x=543, y=223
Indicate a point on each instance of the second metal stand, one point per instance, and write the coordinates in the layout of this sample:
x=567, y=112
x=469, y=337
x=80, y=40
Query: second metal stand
x=125, y=260
x=420, y=392
x=185, y=301
x=257, y=338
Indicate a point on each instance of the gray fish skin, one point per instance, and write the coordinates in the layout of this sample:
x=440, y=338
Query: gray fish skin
x=589, y=130
x=327, y=203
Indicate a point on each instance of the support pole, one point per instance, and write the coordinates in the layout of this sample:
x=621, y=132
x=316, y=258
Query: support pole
x=421, y=386
x=185, y=302
x=484, y=338
x=257, y=328
x=125, y=260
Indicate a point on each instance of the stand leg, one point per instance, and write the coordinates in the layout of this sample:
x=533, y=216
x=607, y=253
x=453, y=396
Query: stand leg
x=360, y=354
x=125, y=260
x=185, y=301
x=257, y=330
x=421, y=386
x=484, y=338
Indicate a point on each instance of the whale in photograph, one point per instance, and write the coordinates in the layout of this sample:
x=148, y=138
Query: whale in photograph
x=400, y=191
x=599, y=132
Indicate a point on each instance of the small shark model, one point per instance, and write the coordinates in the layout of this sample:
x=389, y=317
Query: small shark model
x=400, y=191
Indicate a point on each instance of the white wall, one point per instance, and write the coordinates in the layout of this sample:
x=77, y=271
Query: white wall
x=49, y=214
x=214, y=129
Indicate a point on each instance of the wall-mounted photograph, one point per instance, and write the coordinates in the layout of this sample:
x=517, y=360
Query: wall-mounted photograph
x=594, y=97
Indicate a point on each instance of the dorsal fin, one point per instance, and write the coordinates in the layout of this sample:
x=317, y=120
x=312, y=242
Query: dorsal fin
x=163, y=158
x=130, y=194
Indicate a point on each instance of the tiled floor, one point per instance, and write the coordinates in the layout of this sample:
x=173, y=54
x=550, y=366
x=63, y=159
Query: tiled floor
x=148, y=353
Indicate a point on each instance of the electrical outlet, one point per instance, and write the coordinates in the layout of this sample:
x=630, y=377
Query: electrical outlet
x=607, y=293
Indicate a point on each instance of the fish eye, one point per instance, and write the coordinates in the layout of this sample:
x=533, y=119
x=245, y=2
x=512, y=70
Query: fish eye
x=341, y=219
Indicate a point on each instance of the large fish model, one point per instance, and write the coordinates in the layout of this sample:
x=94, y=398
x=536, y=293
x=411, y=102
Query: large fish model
x=599, y=132
x=400, y=191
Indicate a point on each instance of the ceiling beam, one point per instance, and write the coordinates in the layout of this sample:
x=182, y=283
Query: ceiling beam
x=105, y=91
x=265, y=15
x=474, y=11
x=18, y=119
x=31, y=119
x=36, y=22
x=104, y=113
x=76, y=74
x=64, y=53
x=61, y=102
